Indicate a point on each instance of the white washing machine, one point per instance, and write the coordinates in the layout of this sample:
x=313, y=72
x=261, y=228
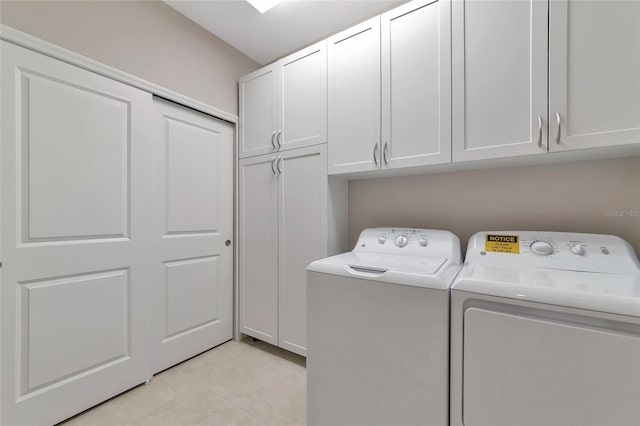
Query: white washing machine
x=545, y=330
x=378, y=330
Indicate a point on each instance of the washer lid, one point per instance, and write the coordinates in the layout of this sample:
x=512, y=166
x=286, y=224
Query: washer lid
x=415, y=271
x=604, y=292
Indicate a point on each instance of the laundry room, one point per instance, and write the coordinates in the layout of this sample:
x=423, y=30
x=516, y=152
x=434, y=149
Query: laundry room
x=320, y=212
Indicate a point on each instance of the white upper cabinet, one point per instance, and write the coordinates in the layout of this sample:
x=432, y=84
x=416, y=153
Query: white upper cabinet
x=416, y=84
x=258, y=112
x=303, y=98
x=594, y=74
x=354, y=98
x=284, y=105
x=499, y=82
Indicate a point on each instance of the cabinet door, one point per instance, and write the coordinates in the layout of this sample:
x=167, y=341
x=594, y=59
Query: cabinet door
x=303, y=98
x=594, y=86
x=258, y=112
x=354, y=98
x=75, y=281
x=258, y=250
x=193, y=205
x=302, y=218
x=499, y=78
x=416, y=84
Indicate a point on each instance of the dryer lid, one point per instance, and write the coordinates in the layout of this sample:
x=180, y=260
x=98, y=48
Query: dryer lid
x=604, y=292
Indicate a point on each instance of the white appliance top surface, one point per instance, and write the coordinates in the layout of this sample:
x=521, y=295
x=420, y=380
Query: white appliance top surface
x=417, y=257
x=585, y=271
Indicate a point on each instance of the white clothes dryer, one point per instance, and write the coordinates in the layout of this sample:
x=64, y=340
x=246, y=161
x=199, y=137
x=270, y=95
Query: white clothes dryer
x=378, y=330
x=545, y=330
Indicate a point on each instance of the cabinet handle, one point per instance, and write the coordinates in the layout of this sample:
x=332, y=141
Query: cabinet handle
x=273, y=165
x=279, y=163
x=273, y=140
x=539, y=131
x=279, y=138
x=384, y=153
x=558, y=130
x=375, y=156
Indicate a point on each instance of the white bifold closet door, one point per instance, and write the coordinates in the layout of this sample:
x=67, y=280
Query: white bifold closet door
x=112, y=237
x=75, y=234
x=193, y=230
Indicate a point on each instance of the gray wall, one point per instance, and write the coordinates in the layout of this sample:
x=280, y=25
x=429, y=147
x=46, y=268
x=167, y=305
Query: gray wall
x=145, y=38
x=571, y=197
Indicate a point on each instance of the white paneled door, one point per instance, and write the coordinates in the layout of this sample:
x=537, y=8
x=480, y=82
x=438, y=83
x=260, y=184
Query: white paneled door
x=302, y=92
x=416, y=84
x=354, y=98
x=74, y=228
x=594, y=74
x=499, y=78
x=193, y=230
x=258, y=250
x=302, y=226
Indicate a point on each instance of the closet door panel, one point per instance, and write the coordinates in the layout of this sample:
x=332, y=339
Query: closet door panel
x=193, y=211
x=75, y=281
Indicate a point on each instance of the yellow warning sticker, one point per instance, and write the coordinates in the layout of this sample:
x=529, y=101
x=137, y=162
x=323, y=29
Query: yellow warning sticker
x=502, y=244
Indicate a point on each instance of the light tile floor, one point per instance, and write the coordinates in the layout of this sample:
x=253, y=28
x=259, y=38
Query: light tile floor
x=237, y=383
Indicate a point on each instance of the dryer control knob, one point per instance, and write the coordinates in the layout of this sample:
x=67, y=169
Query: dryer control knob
x=422, y=242
x=402, y=240
x=577, y=249
x=543, y=248
x=382, y=239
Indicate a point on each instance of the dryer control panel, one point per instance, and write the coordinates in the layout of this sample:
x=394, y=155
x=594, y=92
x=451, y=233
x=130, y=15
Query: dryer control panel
x=555, y=250
x=409, y=242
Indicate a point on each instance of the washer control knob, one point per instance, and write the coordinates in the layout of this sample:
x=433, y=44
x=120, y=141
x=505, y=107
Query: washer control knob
x=577, y=249
x=382, y=239
x=543, y=248
x=402, y=240
x=422, y=242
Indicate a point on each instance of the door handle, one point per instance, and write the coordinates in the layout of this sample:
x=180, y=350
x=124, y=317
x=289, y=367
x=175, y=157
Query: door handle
x=227, y=243
x=279, y=138
x=558, y=129
x=273, y=168
x=375, y=152
x=384, y=153
x=539, y=131
x=273, y=140
x=279, y=163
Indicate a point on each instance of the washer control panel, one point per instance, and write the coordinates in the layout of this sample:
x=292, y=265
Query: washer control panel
x=556, y=250
x=408, y=242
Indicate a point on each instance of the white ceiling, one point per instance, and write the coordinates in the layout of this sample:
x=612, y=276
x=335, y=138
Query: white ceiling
x=286, y=28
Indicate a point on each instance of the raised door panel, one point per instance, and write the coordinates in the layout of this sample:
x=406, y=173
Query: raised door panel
x=258, y=248
x=499, y=81
x=75, y=170
x=594, y=88
x=302, y=219
x=303, y=98
x=416, y=84
x=258, y=112
x=354, y=98
x=193, y=181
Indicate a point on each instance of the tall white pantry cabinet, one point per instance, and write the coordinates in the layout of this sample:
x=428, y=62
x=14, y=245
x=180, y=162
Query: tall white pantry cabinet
x=289, y=212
